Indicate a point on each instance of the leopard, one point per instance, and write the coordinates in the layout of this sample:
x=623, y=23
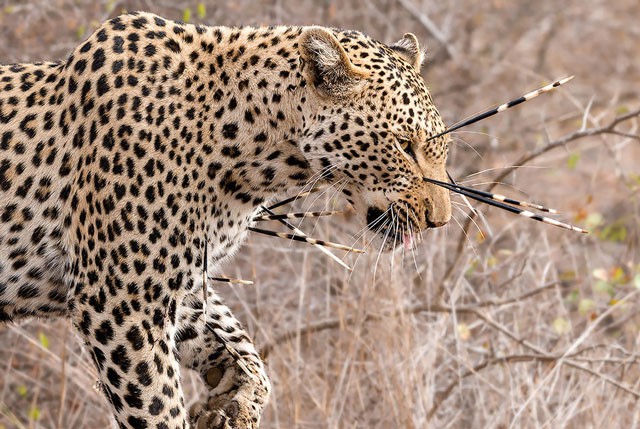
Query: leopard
x=134, y=168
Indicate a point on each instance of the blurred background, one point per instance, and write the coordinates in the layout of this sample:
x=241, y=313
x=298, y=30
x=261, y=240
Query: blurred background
x=494, y=321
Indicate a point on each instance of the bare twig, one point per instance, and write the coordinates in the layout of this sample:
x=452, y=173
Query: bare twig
x=539, y=354
x=531, y=357
x=431, y=27
x=335, y=323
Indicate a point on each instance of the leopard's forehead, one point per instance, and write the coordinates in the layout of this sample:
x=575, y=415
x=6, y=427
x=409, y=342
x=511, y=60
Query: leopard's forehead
x=397, y=94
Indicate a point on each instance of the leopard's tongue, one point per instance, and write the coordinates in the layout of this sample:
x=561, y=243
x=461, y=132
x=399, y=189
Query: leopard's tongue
x=407, y=241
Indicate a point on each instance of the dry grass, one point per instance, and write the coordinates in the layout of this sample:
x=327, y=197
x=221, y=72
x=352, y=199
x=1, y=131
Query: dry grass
x=531, y=326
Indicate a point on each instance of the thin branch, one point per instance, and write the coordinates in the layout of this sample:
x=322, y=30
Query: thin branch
x=614, y=382
x=564, y=358
x=607, y=129
x=336, y=323
x=431, y=27
x=568, y=357
x=518, y=298
x=530, y=357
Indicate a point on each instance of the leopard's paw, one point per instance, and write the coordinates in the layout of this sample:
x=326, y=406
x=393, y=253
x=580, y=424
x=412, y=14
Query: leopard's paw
x=218, y=414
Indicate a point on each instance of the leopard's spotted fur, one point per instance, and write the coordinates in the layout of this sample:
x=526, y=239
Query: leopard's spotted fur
x=155, y=139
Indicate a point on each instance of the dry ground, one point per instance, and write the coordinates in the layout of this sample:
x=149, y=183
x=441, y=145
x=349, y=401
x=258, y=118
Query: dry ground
x=530, y=326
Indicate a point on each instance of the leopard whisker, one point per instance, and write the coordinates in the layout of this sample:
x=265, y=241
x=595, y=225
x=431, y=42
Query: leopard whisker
x=409, y=220
x=481, y=216
x=370, y=225
x=408, y=230
x=322, y=191
x=394, y=228
x=368, y=245
x=486, y=170
x=470, y=218
x=321, y=174
x=466, y=235
x=316, y=177
x=475, y=132
x=388, y=225
x=384, y=241
x=457, y=139
x=380, y=227
x=404, y=230
x=413, y=253
x=503, y=107
x=366, y=228
x=337, y=188
x=411, y=216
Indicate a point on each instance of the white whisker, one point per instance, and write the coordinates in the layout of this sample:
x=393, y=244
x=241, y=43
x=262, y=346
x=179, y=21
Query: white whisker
x=464, y=142
x=384, y=242
x=466, y=236
x=368, y=245
x=465, y=214
x=339, y=186
x=486, y=170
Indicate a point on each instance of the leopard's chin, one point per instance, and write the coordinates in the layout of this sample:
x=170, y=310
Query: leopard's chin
x=389, y=241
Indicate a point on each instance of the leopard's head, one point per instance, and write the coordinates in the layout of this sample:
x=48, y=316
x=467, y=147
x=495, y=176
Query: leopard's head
x=368, y=131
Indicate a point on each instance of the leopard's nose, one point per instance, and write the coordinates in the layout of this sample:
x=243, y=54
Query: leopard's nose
x=435, y=221
x=436, y=224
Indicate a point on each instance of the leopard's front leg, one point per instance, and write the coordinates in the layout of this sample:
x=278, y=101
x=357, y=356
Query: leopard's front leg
x=215, y=345
x=131, y=337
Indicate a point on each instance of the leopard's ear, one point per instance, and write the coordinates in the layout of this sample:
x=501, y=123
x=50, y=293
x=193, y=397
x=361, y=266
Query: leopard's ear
x=409, y=49
x=327, y=66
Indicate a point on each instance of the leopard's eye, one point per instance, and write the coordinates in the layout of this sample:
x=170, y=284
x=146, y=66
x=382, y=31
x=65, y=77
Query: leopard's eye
x=407, y=147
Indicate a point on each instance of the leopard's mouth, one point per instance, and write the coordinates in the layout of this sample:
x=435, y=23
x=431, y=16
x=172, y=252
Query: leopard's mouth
x=395, y=227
